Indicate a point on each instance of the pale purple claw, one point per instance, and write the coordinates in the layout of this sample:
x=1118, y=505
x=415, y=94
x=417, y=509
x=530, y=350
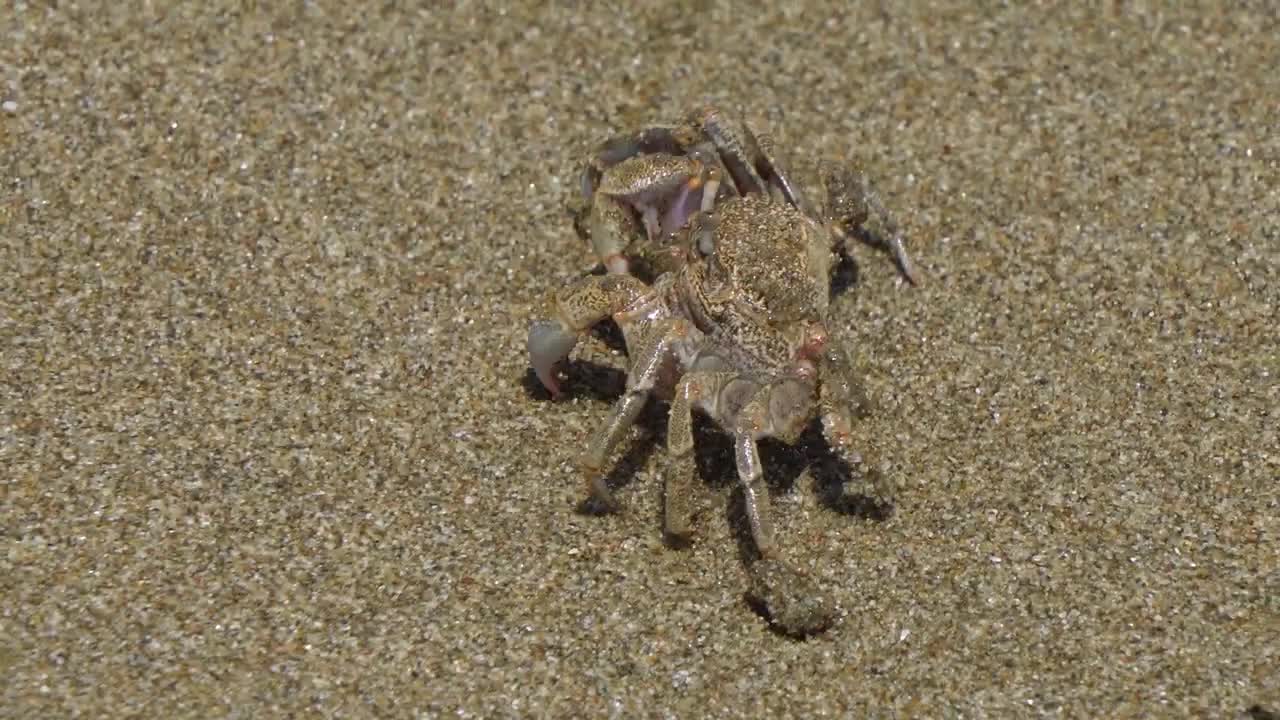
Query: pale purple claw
x=549, y=343
x=685, y=203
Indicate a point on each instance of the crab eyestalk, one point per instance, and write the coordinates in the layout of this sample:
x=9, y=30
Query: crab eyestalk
x=698, y=193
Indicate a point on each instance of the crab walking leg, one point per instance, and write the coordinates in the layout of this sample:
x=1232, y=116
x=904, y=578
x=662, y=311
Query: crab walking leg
x=777, y=175
x=851, y=202
x=892, y=234
x=621, y=417
x=574, y=311
x=736, y=147
x=709, y=191
x=680, y=465
x=778, y=409
x=652, y=360
x=755, y=493
x=842, y=399
x=696, y=390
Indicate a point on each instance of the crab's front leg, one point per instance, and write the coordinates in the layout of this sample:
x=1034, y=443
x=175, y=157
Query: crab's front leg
x=776, y=173
x=736, y=146
x=655, y=361
x=661, y=139
x=751, y=159
x=572, y=312
x=661, y=190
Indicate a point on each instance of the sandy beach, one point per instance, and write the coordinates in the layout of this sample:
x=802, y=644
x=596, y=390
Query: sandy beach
x=272, y=446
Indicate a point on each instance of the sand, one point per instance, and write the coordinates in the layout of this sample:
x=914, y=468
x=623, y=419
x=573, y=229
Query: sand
x=271, y=445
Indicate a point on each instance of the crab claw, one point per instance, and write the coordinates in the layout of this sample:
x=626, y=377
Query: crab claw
x=549, y=343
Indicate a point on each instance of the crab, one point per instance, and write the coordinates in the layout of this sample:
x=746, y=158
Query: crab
x=642, y=187
x=736, y=329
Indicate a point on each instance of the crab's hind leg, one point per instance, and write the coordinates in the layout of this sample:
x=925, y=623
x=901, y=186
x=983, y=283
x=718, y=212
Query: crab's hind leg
x=572, y=312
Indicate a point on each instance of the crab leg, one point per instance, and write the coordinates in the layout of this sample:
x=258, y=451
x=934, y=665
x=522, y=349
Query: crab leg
x=892, y=235
x=719, y=393
x=648, y=367
x=736, y=148
x=755, y=493
x=843, y=400
x=680, y=465
x=696, y=390
x=777, y=409
x=766, y=158
x=851, y=203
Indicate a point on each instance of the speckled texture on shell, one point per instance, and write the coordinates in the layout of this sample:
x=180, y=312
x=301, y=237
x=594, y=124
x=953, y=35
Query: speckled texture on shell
x=269, y=437
x=774, y=257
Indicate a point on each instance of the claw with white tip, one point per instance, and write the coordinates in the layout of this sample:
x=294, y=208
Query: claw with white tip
x=549, y=343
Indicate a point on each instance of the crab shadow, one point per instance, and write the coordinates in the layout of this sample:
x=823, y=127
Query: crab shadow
x=837, y=485
x=845, y=276
x=783, y=463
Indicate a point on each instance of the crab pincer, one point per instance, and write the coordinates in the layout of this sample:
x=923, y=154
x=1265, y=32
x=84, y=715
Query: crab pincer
x=549, y=343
